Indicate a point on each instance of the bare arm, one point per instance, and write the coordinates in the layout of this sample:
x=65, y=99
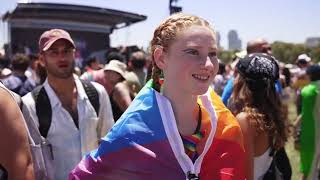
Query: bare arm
x=15, y=154
x=121, y=95
x=248, y=139
x=105, y=113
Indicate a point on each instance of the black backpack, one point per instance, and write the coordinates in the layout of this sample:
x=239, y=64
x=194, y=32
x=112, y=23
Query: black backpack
x=43, y=106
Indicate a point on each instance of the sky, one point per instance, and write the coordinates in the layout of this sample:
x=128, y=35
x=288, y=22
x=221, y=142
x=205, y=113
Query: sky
x=275, y=20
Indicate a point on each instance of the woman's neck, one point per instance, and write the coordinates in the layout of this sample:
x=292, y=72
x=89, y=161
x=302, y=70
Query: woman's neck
x=185, y=109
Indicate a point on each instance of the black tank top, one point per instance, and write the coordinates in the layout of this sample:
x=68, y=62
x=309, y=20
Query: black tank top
x=116, y=111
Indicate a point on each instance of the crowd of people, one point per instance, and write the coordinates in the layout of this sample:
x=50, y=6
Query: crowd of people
x=176, y=112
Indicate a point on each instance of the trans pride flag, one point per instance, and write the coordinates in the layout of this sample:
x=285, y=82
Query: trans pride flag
x=145, y=144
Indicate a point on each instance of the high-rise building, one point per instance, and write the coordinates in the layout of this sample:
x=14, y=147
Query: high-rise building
x=218, y=38
x=313, y=42
x=234, y=41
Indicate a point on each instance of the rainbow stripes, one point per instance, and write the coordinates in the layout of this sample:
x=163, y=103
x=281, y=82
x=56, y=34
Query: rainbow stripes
x=190, y=144
x=145, y=144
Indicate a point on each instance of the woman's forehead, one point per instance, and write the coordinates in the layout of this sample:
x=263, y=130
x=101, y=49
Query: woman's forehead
x=196, y=36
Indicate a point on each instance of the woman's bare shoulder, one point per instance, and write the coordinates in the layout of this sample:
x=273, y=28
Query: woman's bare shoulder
x=242, y=116
x=244, y=122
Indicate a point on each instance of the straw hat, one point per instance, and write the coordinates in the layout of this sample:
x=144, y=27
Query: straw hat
x=117, y=66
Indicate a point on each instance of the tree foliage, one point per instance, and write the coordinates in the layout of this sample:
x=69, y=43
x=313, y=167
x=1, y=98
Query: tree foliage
x=226, y=56
x=284, y=52
x=288, y=52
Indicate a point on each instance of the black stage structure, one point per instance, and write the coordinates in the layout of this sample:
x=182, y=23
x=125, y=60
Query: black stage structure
x=90, y=27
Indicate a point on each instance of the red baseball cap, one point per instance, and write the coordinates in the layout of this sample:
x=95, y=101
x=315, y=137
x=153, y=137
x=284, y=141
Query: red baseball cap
x=49, y=37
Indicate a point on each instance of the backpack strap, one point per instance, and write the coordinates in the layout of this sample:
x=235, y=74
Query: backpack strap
x=43, y=109
x=92, y=94
x=43, y=106
x=23, y=80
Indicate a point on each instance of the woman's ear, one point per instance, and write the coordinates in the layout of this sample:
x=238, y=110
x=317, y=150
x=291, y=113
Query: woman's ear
x=159, y=56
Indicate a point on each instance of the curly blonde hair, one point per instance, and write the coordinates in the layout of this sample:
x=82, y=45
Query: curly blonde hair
x=166, y=33
x=264, y=109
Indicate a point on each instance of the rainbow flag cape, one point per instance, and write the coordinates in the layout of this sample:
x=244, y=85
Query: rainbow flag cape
x=145, y=144
x=310, y=127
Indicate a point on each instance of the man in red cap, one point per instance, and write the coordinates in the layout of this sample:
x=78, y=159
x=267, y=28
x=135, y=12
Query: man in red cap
x=71, y=115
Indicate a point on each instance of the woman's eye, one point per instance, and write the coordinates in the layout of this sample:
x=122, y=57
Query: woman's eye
x=192, y=52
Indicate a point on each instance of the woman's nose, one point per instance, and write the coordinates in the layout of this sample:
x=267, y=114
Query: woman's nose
x=209, y=62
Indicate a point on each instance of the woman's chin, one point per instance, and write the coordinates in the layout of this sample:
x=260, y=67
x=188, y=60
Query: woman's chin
x=200, y=91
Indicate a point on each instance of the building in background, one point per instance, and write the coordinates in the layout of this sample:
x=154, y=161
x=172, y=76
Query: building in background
x=90, y=27
x=312, y=42
x=218, y=37
x=233, y=40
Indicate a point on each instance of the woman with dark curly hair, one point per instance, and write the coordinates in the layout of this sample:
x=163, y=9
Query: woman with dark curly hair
x=258, y=108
